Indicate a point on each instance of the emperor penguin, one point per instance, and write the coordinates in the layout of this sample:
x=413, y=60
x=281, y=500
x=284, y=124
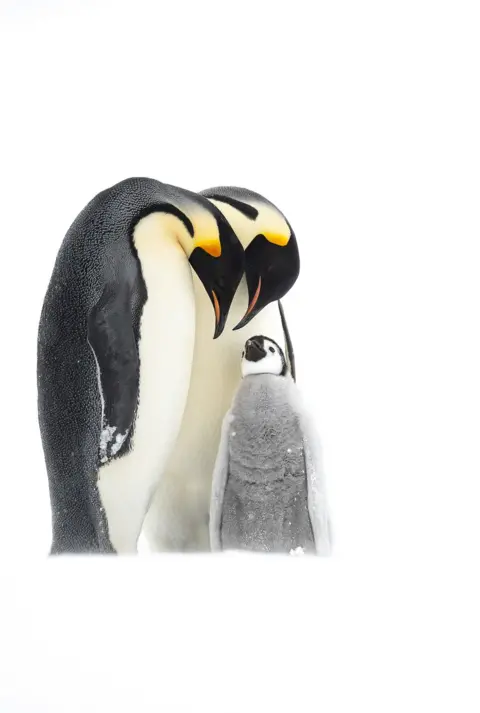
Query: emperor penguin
x=115, y=352
x=179, y=515
x=268, y=492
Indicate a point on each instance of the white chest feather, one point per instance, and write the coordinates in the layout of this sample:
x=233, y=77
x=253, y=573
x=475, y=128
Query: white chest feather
x=178, y=518
x=167, y=330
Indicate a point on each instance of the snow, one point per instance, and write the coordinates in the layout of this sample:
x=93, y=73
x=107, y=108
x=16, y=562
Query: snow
x=297, y=551
x=119, y=439
x=232, y=633
x=360, y=120
x=106, y=437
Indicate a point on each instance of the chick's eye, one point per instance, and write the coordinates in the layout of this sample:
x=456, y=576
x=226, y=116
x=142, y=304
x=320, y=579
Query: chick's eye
x=271, y=349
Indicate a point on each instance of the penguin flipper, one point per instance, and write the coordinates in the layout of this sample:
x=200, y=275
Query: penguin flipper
x=112, y=339
x=219, y=483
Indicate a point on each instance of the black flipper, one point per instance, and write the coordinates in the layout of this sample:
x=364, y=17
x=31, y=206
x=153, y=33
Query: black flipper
x=112, y=339
x=288, y=342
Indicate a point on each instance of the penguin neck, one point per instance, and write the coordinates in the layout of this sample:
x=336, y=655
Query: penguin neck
x=156, y=231
x=167, y=330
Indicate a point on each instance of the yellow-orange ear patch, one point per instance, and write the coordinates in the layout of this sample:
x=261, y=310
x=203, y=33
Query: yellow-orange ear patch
x=211, y=246
x=276, y=238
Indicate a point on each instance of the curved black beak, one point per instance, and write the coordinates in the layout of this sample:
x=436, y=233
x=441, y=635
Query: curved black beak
x=255, y=304
x=270, y=270
x=221, y=308
x=220, y=275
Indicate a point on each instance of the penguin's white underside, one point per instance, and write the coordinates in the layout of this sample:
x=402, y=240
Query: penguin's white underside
x=165, y=346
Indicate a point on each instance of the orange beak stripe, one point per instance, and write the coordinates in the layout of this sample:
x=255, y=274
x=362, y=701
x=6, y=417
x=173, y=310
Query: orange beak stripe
x=216, y=306
x=255, y=297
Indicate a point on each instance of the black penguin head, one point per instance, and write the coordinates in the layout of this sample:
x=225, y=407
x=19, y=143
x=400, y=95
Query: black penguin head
x=272, y=261
x=220, y=271
x=262, y=355
x=271, y=269
x=216, y=255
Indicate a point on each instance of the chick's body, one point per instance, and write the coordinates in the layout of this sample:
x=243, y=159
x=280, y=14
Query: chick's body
x=265, y=504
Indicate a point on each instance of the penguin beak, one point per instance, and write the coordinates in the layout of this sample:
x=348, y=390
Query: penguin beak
x=221, y=313
x=254, y=306
x=221, y=274
x=270, y=270
x=254, y=350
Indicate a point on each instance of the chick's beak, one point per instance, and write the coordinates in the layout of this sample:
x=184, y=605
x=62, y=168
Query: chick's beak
x=254, y=350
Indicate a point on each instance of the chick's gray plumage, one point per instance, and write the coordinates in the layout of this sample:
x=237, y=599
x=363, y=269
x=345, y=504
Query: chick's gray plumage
x=265, y=503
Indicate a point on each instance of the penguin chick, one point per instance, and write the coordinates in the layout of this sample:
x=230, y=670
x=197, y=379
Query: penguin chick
x=268, y=492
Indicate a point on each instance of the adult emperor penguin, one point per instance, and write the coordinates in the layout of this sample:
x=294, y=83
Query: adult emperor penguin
x=115, y=349
x=179, y=514
x=268, y=491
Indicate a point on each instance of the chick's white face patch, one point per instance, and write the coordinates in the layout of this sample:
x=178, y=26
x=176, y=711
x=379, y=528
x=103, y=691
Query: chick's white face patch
x=271, y=363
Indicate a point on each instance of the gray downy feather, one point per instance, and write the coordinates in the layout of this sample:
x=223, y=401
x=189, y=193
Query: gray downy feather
x=269, y=469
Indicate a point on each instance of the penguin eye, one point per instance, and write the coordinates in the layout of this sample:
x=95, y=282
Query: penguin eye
x=271, y=349
x=243, y=354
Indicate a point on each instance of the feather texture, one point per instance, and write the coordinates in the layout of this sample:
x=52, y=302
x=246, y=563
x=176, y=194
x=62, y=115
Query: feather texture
x=268, y=487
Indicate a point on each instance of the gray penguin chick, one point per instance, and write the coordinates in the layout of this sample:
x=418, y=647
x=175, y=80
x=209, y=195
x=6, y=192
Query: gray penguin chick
x=268, y=489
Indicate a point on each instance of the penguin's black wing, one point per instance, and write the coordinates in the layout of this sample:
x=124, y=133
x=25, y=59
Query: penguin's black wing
x=112, y=339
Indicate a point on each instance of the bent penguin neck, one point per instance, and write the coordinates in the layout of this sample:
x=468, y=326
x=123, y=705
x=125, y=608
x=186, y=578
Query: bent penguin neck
x=167, y=333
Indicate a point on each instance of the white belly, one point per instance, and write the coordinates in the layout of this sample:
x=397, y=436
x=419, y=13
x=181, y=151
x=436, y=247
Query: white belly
x=178, y=517
x=167, y=333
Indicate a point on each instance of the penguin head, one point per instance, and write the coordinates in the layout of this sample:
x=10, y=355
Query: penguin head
x=272, y=261
x=214, y=251
x=262, y=355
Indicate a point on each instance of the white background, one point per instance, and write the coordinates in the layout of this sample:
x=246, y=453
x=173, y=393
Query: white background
x=361, y=121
